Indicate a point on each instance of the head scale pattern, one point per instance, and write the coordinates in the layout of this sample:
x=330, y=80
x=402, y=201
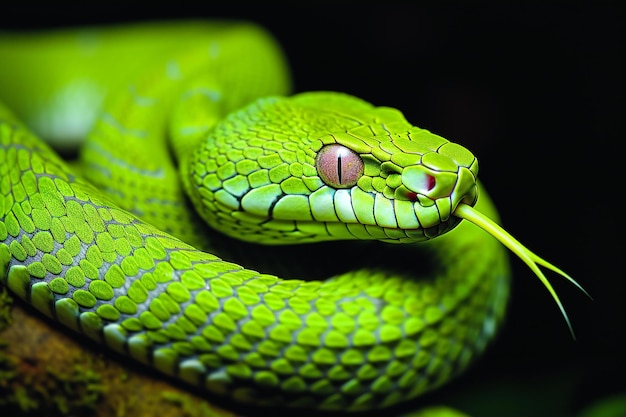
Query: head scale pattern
x=328, y=167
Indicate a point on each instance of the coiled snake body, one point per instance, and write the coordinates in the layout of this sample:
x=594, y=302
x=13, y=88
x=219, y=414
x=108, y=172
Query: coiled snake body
x=110, y=247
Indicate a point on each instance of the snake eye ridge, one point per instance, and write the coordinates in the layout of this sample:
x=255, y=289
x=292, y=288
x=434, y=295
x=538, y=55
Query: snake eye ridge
x=338, y=166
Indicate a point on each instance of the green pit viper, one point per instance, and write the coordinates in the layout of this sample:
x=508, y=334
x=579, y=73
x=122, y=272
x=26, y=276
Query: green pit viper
x=109, y=246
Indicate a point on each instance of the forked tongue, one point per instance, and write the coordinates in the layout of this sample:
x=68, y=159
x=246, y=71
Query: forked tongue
x=533, y=261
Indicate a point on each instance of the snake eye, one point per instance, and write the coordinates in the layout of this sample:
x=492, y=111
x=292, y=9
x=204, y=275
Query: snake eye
x=338, y=166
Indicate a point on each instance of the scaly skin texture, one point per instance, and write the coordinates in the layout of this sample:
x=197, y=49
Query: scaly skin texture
x=111, y=249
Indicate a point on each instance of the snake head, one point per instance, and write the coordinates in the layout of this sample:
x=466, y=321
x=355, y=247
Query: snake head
x=405, y=183
x=328, y=166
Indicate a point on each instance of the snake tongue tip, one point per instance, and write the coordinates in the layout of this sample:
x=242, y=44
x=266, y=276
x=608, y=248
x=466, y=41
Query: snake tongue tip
x=532, y=260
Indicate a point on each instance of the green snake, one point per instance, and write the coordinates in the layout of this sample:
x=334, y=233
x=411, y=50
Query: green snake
x=109, y=246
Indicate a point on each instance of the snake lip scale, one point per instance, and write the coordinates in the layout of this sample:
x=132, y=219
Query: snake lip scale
x=111, y=247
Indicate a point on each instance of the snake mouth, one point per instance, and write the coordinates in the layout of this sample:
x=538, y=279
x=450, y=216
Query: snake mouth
x=533, y=261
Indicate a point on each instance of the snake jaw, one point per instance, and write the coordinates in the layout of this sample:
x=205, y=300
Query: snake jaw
x=532, y=260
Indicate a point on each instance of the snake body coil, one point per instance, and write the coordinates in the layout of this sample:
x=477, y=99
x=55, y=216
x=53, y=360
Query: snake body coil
x=110, y=249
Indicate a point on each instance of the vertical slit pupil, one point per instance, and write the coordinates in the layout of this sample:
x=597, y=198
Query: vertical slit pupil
x=339, y=169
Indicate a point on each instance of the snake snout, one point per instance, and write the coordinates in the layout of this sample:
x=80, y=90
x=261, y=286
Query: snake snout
x=466, y=188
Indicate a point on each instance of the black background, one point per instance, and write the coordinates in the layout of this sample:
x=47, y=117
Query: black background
x=536, y=92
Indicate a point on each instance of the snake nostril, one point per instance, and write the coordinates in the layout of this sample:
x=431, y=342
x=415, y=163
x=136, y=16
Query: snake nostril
x=430, y=182
x=419, y=181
